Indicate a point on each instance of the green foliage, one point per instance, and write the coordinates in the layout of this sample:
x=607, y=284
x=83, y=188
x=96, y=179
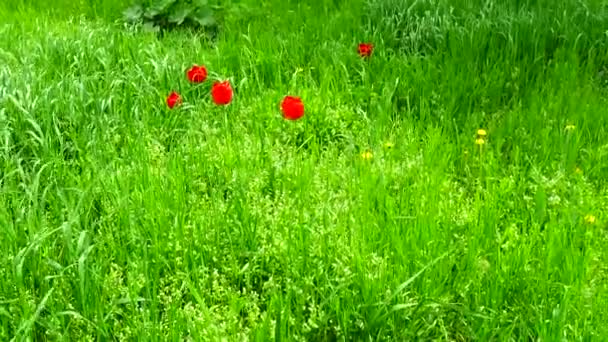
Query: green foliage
x=534, y=28
x=170, y=14
x=481, y=39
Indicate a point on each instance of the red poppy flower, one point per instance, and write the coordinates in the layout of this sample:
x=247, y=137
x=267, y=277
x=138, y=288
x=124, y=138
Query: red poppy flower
x=221, y=93
x=365, y=49
x=197, y=74
x=292, y=107
x=173, y=100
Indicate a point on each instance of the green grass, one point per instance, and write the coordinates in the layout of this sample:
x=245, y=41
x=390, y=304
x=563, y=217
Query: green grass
x=124, y=220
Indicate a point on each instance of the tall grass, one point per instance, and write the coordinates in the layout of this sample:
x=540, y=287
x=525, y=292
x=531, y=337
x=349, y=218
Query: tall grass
x=124, y=220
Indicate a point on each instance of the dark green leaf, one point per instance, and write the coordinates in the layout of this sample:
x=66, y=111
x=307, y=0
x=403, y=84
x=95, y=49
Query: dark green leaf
x=158, y=7
x=162, y=5
x=179, y=13
x=133, y=13
x=206, y=21
x=150, y=13
x=162, y=14
x=204, y=17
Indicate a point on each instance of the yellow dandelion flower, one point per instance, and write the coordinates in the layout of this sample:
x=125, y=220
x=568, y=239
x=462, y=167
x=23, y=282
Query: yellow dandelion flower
x=367, y=155
x=480, y=141
x=578, y=170
x=389, y=145
x=570, y=127
x=590, y=219
x=482, y=132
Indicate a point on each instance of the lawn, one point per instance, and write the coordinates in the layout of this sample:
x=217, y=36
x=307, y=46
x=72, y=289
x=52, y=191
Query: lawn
x=452, y=186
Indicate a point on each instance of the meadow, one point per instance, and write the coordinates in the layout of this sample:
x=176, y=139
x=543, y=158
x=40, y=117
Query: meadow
x=383, y=214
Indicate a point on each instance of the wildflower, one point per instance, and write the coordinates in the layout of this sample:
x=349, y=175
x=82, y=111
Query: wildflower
x=367, y=155
x=480, y=141
x=570, y=127
x=389, y=145
x=365, y=49
x=173, y=100
x=292, y=107
x=197, y=74
x=481, y=132
x=221, y=93
x=590, y=219
x=578, y=170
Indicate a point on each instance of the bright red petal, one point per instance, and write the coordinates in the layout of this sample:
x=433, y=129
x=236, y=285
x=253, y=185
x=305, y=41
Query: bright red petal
x=221, y=92
x=292, y=107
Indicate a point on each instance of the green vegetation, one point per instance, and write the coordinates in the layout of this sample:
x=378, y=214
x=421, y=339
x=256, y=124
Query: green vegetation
x=171, y=14
x=123, y=220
